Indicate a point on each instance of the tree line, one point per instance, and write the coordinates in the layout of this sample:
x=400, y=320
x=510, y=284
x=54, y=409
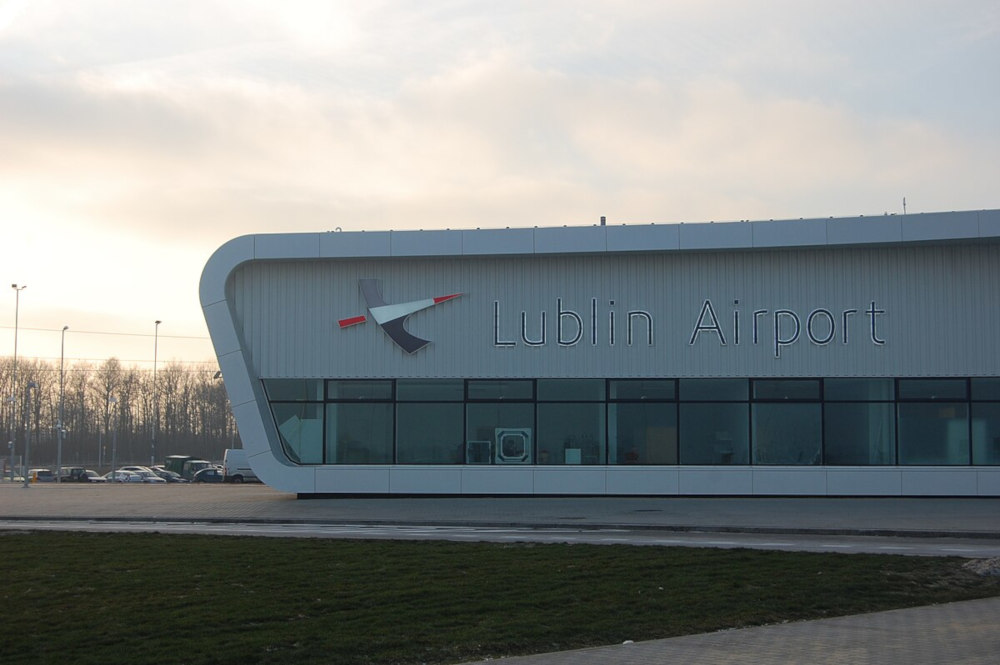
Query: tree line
x=184, y=411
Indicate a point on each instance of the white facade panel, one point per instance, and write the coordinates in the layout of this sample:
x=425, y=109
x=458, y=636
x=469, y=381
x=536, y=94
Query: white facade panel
x=939, y=481
x=865, y=230
x=212, y=288
x=498, y=241
x=988, y=482
x=364, y=244
x=425, y=480
x=352, y=480
x=556, y=241
x=220, y=319
x=425, y=243
x=570, y=480
x=497, y=480
x=802, y=481
x=305, y=245
x=860, y=481
x=989, y=223
x=721, y=481
x=647, y=238
x=937, y=226
x=650, y=481
x=787, y=234
x=727, y=235
x=239, y=384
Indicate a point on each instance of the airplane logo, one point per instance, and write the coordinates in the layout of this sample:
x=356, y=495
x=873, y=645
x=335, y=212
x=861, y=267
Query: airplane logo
x=392, y=318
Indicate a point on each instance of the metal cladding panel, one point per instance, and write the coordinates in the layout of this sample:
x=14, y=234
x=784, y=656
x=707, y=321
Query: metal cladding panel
x=922, y=310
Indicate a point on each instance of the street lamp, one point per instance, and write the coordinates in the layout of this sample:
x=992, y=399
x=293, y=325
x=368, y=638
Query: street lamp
x=62, y=431
x=156, y=396
x=27, y=429
x=114, y=439
x=13, y=400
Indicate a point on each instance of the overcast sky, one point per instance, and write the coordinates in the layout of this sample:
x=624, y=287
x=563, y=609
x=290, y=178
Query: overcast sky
x=137, y=136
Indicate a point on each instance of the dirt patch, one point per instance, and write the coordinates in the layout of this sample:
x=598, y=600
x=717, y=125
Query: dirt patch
x=984, y=567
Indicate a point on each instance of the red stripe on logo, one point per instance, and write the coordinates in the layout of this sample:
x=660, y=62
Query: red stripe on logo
x=354, y=320
x=443, y=298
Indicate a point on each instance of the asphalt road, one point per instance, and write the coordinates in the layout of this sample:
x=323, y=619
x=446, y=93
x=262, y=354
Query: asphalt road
x=917, y=546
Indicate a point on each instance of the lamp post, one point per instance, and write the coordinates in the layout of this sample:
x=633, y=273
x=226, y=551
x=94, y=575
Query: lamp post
x=114, y=439
x=27, y=428
x=62, y=429
x=156, y=396
x=13, y=400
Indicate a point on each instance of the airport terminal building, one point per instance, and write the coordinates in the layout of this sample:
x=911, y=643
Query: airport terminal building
x=839, y=357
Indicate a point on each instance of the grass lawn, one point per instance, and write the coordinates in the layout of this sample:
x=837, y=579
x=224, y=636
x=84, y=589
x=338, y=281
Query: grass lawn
x=151, y=598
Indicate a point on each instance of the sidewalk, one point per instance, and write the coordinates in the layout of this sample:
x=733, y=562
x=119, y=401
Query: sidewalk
x=928, y=516
x=954, y=633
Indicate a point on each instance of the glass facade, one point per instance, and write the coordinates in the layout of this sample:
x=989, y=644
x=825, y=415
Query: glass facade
x=782, y=422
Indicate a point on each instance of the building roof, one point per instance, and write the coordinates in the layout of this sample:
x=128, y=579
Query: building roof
x=962, y=226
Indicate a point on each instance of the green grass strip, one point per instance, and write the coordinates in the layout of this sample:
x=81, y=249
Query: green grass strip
x=151, y=598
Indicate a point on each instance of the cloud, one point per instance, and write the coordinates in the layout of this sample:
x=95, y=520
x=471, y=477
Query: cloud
x=480, y=143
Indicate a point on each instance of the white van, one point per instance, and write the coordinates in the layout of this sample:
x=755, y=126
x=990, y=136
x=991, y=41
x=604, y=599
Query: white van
x=236, y=467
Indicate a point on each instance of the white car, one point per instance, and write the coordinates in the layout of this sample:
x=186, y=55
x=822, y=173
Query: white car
x=122, y=476
x=150, y=477
x=136, y=469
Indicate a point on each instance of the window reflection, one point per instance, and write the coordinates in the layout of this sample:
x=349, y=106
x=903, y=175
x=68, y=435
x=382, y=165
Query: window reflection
x=836, y=421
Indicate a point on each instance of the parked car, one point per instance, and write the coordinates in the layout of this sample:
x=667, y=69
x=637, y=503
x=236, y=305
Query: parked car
x=91, y=476
x=135, y=468
x=236, y=466
x=41, y=476
x=72, y=474
x=150, y=477
x=169, y=476
x=193, y=466
x=122, y=476
x=212, y=474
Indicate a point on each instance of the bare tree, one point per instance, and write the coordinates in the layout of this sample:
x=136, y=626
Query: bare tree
x=195, y=415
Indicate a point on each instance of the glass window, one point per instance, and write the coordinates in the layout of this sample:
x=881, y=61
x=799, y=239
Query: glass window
x=294, y=390
x=932, y=389
x=430, y=390
x=429, y=433
x=716, y=433
x=359, y=433
x=933, y=433
x=714, y=390
x=986, y=433
x=642, y=433
x=860, y=434
x=300, y=427
x=639, y=389
x=786, y=389
x=986, y=389
x=359, y=390
x=570, y=390
x=501, y=389
x=499, y=433
x=786, y=433
x=571, y=433
x=858, y=390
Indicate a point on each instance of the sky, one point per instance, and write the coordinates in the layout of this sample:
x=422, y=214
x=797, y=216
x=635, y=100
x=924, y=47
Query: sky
x=137, y=136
